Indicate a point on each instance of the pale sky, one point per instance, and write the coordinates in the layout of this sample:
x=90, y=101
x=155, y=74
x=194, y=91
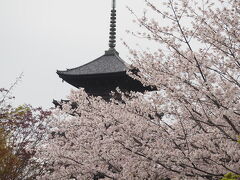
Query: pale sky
x=38, y=37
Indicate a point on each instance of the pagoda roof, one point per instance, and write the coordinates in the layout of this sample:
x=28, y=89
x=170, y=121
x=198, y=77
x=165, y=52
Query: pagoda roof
x=110, y=62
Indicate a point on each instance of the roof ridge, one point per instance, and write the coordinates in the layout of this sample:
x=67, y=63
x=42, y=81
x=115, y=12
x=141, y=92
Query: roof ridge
x=109, y=62
x=86, y=63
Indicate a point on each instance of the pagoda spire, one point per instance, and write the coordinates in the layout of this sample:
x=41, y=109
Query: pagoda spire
x=112, y=37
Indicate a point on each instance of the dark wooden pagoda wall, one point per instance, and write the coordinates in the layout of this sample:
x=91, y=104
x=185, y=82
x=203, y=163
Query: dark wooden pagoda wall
x=102, y=84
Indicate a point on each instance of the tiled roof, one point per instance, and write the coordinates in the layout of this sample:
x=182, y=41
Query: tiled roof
x=110, y=62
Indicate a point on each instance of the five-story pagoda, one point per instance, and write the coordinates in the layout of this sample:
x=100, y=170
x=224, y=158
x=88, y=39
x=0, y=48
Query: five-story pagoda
x=104, y=74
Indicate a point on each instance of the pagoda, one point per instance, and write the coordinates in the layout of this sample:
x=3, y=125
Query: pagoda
x=103, y=75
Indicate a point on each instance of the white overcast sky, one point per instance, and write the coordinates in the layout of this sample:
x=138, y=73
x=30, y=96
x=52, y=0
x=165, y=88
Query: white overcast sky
x=37, y=37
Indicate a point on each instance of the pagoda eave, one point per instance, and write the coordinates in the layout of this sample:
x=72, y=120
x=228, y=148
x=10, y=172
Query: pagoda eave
x=103, y=84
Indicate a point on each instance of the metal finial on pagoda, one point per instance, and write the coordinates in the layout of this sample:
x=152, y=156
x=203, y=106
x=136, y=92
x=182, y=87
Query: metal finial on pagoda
x=112, y=37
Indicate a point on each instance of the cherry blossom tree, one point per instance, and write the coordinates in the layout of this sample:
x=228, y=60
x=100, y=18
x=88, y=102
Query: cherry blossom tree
x=188, y=129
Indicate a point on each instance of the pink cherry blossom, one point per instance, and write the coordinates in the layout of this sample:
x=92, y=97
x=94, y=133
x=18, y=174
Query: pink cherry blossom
x=188, y=129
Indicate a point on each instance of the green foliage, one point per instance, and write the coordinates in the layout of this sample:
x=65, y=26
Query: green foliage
x=9, y=163
x=21, y=110
x=231, y=176
x=21, y=130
